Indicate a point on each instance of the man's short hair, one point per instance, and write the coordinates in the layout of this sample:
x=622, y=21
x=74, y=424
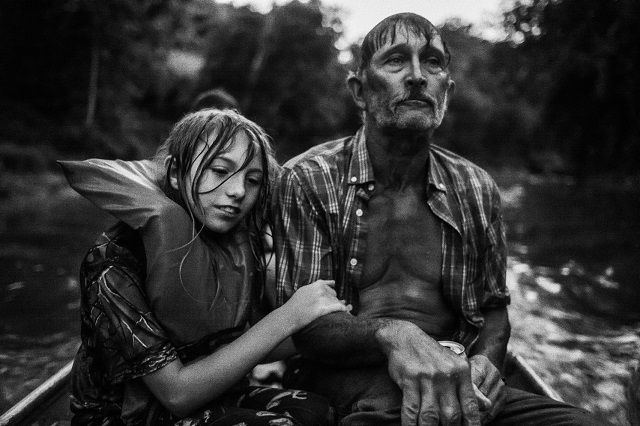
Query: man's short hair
x=215, y=98
x=386, y=30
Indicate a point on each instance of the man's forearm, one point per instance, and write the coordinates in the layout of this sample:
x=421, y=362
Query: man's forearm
x=341, y=339
x=494, y=336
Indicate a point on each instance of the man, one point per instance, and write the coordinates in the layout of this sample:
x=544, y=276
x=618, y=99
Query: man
x=413, y=236
x=215, y=98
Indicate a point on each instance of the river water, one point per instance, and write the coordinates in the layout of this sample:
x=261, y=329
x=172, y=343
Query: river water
x=574, y=277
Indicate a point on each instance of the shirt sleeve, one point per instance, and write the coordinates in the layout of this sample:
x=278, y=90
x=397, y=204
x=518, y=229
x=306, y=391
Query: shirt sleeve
x=496, y=292
x=303, y=248
x=125, y=327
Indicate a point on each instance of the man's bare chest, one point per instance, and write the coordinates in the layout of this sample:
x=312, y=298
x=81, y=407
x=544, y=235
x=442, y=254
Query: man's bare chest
x=404, y=236
x=402, y=272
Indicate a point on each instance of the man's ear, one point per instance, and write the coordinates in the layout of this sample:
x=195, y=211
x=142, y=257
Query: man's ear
x=356, y=85
x=173, y=172
x=450, y=91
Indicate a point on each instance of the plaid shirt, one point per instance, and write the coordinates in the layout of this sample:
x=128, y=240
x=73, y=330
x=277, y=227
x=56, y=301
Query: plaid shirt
x=321, y=227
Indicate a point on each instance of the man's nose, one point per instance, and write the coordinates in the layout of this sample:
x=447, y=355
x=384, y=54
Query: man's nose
x=416, y=76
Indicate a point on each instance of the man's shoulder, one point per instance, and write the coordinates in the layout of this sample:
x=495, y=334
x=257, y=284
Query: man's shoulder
x=325, y=156
x=460, y=166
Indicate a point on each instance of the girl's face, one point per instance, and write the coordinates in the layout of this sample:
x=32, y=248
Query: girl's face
x=227, y=191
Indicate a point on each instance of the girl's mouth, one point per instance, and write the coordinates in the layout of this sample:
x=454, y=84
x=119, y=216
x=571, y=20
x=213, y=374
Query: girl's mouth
x=231, y=210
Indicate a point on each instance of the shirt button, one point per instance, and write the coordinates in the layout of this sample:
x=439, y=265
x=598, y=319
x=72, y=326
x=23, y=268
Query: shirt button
x=370, y=187
x=353, y=261
x=359, y=212
x=353, y=178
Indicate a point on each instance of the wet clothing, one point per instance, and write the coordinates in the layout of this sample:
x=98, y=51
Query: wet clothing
x=121, y=339
x=321, y=232
x=321, y=227
x=156, y=287
x=184, y=263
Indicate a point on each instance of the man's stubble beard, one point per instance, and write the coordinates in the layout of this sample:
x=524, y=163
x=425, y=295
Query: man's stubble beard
x=392, y=121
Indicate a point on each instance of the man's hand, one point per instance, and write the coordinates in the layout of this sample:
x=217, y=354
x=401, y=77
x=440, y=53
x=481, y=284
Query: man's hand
x=488, y=385
x=436, y=383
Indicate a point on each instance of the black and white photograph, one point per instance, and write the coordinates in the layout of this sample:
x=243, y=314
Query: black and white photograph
x=319, y=212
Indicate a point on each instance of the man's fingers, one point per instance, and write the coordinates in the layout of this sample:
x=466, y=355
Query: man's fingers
x=484, y=403
x=450, y=410
x=410, y=406
x=469, y=404
x=485, y=376
x=429, y=414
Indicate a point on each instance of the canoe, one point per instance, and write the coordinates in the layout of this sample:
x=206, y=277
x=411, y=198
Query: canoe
x=48, y=404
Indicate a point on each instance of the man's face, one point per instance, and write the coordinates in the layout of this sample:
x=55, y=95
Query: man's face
x=406, y=85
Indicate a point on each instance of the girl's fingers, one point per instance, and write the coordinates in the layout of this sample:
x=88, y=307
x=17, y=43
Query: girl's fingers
x=330, y=283
x=348, y=306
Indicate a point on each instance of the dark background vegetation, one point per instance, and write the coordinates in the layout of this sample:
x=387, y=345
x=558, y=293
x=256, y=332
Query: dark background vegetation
x=81, y=78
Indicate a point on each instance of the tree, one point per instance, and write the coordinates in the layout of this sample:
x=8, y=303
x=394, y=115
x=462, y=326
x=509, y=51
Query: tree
x=83, y=64
x=287, y=74
x=44, y=54
x=583, y=57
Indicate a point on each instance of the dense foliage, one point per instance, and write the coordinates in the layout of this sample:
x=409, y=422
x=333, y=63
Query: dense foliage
x=108, y=77
x=579, y=61
x=286, y=75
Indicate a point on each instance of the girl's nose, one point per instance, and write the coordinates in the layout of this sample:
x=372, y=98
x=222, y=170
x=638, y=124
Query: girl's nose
x=235, y=187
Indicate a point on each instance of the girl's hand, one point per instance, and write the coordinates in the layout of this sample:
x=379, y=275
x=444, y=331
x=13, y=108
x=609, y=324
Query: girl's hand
x=313, y=301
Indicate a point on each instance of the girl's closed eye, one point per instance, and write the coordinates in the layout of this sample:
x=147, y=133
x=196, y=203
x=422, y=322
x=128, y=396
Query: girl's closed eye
x=254, y=178
x=220, y=171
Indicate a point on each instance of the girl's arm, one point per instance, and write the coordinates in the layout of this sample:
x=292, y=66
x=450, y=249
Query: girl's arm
x=182, y=388
x=283, y=351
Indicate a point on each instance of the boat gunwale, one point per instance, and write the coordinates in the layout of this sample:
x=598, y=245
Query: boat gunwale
x=38, y=400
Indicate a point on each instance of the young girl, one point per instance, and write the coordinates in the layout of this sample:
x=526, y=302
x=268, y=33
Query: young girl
x=169, y=292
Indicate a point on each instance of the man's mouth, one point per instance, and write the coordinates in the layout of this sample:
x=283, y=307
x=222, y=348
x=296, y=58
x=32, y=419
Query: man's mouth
x=418, y=100
x=419, y=103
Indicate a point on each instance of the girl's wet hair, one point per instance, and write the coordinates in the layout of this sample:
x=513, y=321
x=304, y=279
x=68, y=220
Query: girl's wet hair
x=386, y=31
x=218, y=128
